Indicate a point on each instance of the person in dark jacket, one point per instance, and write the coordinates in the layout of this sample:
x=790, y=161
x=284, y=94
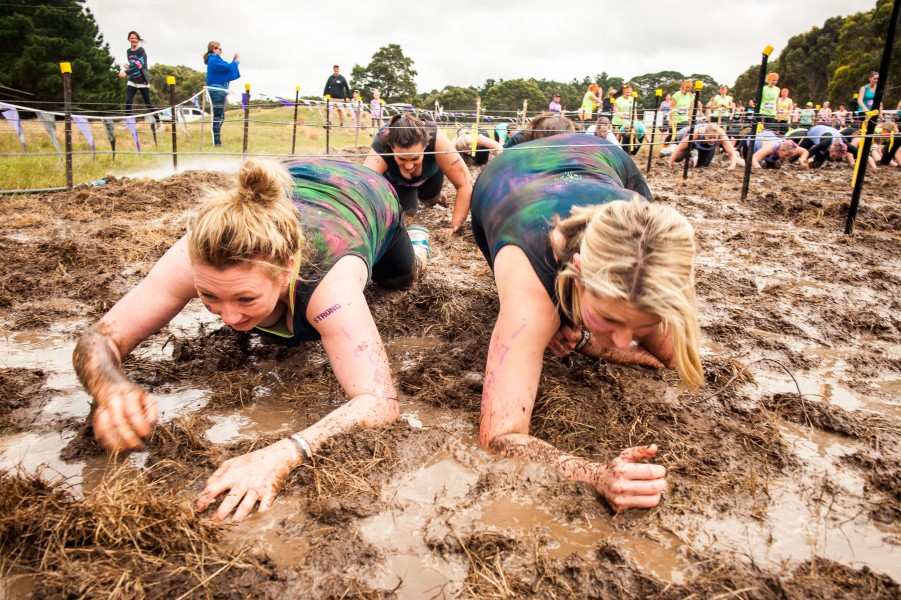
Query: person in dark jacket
x=136, y=72
x=337, y=88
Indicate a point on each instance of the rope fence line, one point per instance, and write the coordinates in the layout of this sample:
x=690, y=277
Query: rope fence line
x=655, y=120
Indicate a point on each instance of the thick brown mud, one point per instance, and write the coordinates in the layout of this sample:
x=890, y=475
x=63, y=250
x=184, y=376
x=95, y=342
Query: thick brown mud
x=785, y=471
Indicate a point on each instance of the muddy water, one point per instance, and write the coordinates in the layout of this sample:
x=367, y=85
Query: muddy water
x=816, y=515
x=799, y=521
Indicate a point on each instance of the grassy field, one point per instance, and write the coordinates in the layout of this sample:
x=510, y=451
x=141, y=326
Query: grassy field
x=269, y=133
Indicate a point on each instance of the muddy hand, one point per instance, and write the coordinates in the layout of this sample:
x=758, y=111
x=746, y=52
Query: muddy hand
x=633, y=356
x=249, y=478
x=564, y=341
x=627, y=483
x=124, y=418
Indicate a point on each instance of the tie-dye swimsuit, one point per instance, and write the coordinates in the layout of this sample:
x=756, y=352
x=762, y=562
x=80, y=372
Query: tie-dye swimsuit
x=517, y=195
x=345, y=210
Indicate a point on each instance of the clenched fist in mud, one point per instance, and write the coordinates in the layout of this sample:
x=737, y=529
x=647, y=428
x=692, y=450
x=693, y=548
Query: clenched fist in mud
x=625, y=482
x=124, y=416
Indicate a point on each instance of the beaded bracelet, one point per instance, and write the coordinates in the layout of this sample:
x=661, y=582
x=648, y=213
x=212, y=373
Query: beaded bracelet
x=305, y=452
x=583, y=341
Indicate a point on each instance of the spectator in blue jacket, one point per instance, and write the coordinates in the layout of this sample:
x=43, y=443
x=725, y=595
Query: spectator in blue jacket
x=219, y=72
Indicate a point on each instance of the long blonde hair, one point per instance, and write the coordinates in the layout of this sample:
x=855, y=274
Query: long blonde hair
x=253, y=222
x=463, y=140
x=638, y=252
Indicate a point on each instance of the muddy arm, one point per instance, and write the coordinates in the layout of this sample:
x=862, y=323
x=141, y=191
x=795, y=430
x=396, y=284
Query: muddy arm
x=123, y=412
x=451, y=163
x=625, y=482
x=729, y=147
x=339, y=312
x=526, y=324
x=681, y=149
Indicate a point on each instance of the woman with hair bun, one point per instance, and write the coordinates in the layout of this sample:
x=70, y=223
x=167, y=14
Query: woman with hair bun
x=415, y=156
x=583, y=262
x=286, y=253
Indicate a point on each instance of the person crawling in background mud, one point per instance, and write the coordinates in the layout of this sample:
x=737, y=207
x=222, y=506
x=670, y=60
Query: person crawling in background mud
x=583, y=262
x=285, y=253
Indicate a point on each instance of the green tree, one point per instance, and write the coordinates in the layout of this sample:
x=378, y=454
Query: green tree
x=507, y=96
x=36, y=37
x=805, y=61
x=605, y=81
x=188, y=82
x=747, y=86
x=489, y=83
x=390, y=72
x=831, y=62
x=647, y=84
x=859, y=51
x=452, y=98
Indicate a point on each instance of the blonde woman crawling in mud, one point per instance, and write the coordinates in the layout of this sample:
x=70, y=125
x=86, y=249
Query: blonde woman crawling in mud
x=582, y=263
x=285, y=253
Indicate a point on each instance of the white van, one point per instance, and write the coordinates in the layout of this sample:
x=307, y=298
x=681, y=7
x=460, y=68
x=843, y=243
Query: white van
x=186, y=114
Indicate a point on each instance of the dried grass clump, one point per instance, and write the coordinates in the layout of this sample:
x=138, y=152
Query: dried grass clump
x=129, y=537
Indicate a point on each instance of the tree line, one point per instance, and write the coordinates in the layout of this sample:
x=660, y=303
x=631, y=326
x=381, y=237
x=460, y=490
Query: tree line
x=832, y=62
x=826, y=63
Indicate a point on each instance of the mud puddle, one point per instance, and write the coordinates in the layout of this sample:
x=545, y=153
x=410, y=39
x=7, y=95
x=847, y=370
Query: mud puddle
x=772, y=493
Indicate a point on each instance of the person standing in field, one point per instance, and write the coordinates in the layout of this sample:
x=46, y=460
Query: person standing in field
x=356, y=107
x=336, y=87
x=137, y=75
x=721, y=106
x=768, y=98
x=824, y=116
x=867, y=93
x=622, y=107
x=219, y=73
x=555, y=106
x=840, y=115
x=375, y=112
x=589, y=102
x=683, y=106
x=784, y=105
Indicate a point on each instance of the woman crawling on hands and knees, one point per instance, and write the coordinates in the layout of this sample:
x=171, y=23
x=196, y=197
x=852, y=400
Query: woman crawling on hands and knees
x=286, y=253
x=582, y=263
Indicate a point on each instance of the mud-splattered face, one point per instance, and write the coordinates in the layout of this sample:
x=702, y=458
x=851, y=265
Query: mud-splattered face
x=242, y=296
x=614, y=323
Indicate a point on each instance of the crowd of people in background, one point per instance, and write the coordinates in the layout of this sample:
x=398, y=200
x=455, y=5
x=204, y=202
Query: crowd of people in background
x=789, y=123
x=794, y=131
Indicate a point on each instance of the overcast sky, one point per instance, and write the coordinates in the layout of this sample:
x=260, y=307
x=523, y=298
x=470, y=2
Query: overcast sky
x=286, y=43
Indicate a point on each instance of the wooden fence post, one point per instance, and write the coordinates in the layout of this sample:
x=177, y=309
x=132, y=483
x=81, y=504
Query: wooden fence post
x=246, y=115
x=66, y=69
x=294, y=133
x=170, y=80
